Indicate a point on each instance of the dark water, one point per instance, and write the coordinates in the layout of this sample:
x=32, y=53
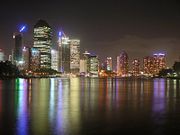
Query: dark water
x=82, y=106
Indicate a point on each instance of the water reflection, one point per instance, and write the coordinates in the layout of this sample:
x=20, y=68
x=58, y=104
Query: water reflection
x=21, y=101
x=88, y=106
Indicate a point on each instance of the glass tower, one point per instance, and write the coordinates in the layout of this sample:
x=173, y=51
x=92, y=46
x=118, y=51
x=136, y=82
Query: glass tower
x=43, y=42
x=18, y=47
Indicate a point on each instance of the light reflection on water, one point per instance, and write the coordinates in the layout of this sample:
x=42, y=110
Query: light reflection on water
x=89, y=106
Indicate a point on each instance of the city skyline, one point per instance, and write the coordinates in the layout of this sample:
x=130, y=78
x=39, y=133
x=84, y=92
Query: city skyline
x=112, y=27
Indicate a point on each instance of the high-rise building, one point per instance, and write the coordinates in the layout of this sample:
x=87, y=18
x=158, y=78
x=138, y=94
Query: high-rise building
x=17, y=52
x=83, y=66
x=26, y=57
x=65, y=55
x=159, y=62
x=109, y=64
x=34, y=62
x=84, y=63
x=148, y=66
x=93, y=66
x=43, y=42
x=60, y=35
x=1, y=55
x=74, y=55
x=122, y=64
x=136, y=67
x=54, y=60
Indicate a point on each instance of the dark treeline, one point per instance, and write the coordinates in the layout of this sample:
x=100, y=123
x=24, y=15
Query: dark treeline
x=7, y=69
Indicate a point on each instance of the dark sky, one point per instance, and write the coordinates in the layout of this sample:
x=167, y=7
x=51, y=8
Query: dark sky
x=140, y=27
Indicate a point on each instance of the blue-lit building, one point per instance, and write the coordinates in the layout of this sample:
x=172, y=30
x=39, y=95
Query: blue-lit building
x=43, y=42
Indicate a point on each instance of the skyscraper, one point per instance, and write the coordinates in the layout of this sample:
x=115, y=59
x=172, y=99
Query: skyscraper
x=93, y=66
x=60, y=68
x=74, y=55
x=159, y=62
x=122, y=64
x=83, y=67
x=148, y=66
x=17, y=53
x=54, y=60
x=43, y=42
x=65, y=55
x=85, y=63
x=136, y=67
x=109, y=64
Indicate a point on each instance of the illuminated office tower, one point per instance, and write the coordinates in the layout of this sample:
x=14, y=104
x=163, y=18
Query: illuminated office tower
x=83, y=66
x=34, y=62
x=74, y=55
x=159, y=62
x=1, y=55
x=136, y=67
x=26, y=57
x=148, y=66
x=84, y=63
x=109, y=64
x=43, y=42
x=93, y=66
x=54, y=59
x=122, y=64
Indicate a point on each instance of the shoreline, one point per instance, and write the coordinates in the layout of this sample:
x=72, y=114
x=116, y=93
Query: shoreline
x=33, y=77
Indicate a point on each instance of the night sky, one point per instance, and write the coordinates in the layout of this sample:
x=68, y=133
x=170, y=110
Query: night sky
x=140, y=27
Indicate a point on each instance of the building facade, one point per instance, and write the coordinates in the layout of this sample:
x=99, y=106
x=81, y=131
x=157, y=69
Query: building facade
x=43, y=42
x=17, y=52
x=74, y=55
x=109, y=66
x=54, y=60
x=93, y=67
x=83, y=67
x=148, y=66
x=34, y=62
x=159, y=62
x=65, y=55
x=122, y=64
x=26, y=58
x=136, y=67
